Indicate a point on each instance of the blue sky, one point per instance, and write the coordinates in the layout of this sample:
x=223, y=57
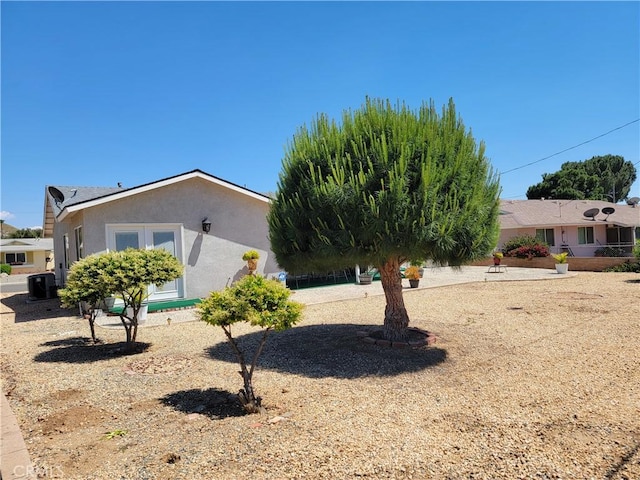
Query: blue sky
x=96, y=93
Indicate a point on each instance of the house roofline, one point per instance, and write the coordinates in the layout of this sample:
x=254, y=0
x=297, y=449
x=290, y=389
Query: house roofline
x=197, y=173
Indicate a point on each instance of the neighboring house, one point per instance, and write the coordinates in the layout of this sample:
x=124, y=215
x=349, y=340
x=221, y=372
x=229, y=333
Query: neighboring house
x=27, y=255
x=171, y=213
x=579, y=226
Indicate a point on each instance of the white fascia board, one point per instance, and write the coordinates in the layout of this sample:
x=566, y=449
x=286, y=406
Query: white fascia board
x=152, y=186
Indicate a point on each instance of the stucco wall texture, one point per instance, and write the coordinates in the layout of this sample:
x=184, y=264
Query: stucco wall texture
x=213, y=260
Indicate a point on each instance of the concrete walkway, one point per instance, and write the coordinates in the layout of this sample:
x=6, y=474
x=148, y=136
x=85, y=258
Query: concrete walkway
x=433, y=278
x=14, y=460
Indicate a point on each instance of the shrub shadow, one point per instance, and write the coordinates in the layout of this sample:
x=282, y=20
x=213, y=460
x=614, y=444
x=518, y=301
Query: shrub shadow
x=336, y=351
x=74, y=350
x=214, y=403
x=64, y=342
x=26, y=310
x=635, y=280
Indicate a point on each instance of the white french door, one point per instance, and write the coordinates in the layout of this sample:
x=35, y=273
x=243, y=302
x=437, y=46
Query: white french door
x=167, y=236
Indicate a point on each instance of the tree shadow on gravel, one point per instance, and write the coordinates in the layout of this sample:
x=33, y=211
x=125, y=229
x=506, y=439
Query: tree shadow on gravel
x=28, y=311
x=212, y=402
x=83, y=350
x=335, y=351
x=65, y=342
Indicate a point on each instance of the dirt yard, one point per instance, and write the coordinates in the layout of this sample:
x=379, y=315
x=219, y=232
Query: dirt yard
x=531, y=380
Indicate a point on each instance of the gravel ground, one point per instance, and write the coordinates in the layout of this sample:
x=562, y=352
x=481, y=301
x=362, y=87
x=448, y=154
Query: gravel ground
x=534, y=379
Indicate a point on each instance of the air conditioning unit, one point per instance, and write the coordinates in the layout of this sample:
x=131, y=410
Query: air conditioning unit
x=42, y=286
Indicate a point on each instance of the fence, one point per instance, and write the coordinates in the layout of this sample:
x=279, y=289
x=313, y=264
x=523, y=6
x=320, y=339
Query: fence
x=581, y=264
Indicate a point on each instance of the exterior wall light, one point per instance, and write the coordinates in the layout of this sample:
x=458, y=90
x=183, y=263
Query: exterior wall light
x=206, y=225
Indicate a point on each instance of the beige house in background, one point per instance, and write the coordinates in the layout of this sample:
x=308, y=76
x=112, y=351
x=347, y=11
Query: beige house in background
x=581, y=227
x=27, y=255
x=173, y=213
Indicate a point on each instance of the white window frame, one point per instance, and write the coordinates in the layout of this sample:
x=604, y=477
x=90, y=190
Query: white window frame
x=65, y=246
x=543, y=236
x=145, y=240
x=586, y=236
x=77, y=233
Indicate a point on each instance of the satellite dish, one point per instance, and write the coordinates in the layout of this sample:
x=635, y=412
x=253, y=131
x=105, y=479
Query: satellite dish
x=608, y=211
x=633, y=201
x=57, y=195
x=591, y=213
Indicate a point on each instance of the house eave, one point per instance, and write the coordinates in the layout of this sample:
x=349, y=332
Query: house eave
x=66, y=211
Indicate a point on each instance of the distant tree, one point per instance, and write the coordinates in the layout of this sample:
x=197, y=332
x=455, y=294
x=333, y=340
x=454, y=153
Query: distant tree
x=608, y=177
x=386, y=186
x=263, y=303
x=26, y=233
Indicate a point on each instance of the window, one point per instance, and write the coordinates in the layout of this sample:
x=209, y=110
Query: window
x=17, y=258
x=65, y=239
x=79, y=244
x=619, y=236
x=546, y=235
x=126, y=240
x=585, y=235
x=167, y=236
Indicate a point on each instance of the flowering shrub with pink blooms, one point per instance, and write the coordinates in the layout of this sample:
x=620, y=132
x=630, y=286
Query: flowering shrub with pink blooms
x=525, y=246
x=529, y=251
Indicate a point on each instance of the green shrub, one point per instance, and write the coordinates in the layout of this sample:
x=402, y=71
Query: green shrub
x=250, y=255
x=5, y=268
x=260, y=302
x=525, y=246
x=610, y=252
x=125, y=274
x=636, y=250
x=628, y=266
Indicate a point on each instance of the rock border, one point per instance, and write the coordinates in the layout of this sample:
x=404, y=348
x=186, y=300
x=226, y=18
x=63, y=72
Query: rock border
x=429, y=339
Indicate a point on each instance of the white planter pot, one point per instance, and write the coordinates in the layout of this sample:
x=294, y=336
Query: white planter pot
x=562, y=267
x=109, y=302
x=142, y=313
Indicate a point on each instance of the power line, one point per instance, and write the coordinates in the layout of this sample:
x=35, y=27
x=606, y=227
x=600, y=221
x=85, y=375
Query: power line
x=571, y=148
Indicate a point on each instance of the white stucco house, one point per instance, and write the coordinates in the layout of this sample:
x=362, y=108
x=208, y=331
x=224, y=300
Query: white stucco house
x=581, y=227
x=206, y=222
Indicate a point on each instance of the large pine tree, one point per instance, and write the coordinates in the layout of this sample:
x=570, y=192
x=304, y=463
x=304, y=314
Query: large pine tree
x=607, y=177
x=384, y=186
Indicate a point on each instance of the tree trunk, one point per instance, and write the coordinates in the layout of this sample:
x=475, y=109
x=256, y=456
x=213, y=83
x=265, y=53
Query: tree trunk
x=127, y=329
x=92, y=325
x=246, y=396
x=396, y=319
x=135, y=329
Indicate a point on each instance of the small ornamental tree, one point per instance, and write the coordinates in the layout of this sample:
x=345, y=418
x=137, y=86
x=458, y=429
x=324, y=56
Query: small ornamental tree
x=384, y=185
x=86, y=285
x=128, y=274
x=261, y=302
